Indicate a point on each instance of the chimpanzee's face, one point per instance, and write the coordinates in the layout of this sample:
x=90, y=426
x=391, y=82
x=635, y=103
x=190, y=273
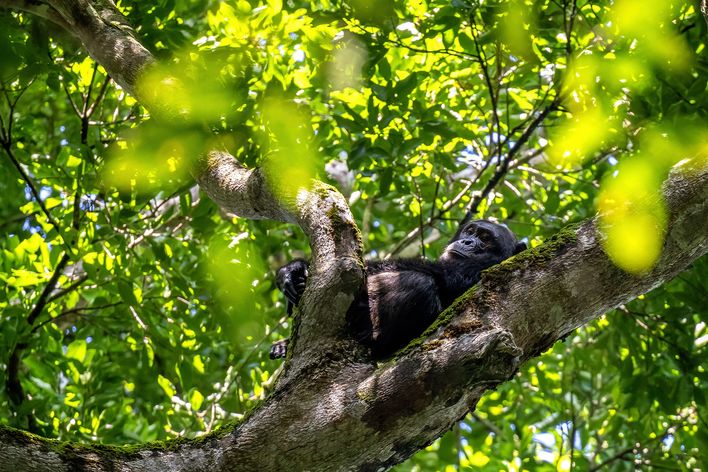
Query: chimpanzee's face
x=485, y=241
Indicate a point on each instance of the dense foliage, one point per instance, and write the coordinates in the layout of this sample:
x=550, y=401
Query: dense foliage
x=132, y=308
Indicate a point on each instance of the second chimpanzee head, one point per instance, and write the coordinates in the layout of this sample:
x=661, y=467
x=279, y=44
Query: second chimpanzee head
x=484, y=242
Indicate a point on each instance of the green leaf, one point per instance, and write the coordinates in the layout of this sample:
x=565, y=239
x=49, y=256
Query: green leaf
x=196, y=399
x=166, y=385
x=77, y=350
x=125, y=289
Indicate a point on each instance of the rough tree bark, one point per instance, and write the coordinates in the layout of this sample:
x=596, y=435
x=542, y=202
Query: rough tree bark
x=333, y=406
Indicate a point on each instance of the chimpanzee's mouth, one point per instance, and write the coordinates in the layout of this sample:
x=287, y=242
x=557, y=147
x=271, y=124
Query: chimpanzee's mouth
x=465, y=253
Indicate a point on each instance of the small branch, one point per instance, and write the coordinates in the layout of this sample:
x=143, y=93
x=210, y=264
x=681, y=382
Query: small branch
x=44, y=296
x=71, y=100
x=99, y=98
x=72, y=311
x=503, y=166
x=87, y=96
x=482, y=61
x=65, y=291
x=487, y=424
x=13, y=382
x=33, y=189
x=421, y=225
x=399, y=43
x=571, y=437
x=435, y=197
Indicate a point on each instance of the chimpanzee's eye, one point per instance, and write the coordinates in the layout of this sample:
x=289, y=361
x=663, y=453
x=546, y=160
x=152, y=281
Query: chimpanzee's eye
x=485, y=237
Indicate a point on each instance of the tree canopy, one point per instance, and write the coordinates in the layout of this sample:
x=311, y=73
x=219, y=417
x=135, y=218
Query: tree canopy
x=135, y=306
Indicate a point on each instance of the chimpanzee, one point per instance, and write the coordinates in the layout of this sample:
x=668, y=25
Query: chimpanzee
x=402, y=297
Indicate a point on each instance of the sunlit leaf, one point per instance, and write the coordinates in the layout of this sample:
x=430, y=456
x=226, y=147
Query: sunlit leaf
x=291, y=163
x=77, y=350
x=166, y=385
x=518, y=25
x=633, y=216
x=196, y=399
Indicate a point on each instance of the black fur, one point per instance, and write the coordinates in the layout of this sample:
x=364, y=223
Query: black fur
x=404, y=296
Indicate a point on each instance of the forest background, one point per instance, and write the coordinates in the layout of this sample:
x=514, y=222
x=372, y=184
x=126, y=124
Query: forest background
x=133, y=308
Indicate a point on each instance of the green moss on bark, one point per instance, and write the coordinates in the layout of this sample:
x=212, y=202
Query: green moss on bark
x=539, y=255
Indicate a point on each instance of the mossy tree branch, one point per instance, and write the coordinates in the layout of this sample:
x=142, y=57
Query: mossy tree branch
x=357, y=415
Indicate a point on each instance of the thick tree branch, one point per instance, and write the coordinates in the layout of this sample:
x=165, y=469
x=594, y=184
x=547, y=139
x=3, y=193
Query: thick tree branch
x=107, y=37
x=385, y=412
x=325, y=218
x=347, y=412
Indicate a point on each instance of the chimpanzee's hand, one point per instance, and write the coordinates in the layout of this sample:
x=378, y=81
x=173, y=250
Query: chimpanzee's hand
x=279, y=349
x=291, y=279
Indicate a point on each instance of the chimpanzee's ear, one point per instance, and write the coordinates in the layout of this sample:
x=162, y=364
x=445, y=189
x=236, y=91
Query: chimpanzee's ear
x=521, y=246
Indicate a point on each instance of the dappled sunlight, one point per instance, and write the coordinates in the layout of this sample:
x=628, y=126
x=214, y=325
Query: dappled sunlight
x=344, y=71
x=290, y=162
x=236, y=267
x=649, y=24
x=518, y=28
x=153, y=158
x=631, y=206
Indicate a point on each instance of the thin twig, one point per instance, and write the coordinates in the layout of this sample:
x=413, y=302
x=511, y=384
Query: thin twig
x=44, y=296
x=71, y=101
x=65, y=291
x=87, y=97
x=418, y=198
x=72, y=311
x=482, y=60
x=33, y=189
x=99, y=98
x=503, y=166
